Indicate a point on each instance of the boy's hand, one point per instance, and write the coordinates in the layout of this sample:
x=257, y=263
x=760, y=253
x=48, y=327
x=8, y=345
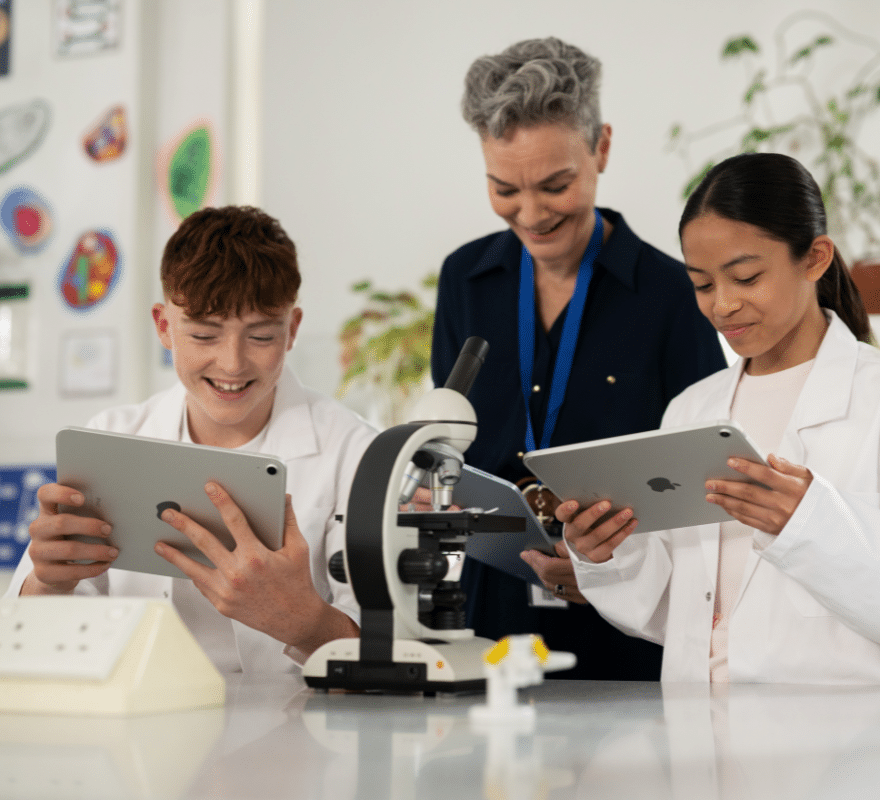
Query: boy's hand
x=270, y=591
x=54, y=555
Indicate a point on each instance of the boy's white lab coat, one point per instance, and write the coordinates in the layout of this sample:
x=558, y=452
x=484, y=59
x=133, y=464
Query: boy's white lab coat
x=321, y=443
x=808, y=610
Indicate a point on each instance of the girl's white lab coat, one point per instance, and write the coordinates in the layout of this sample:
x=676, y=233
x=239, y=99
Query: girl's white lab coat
x=321, y=443
x=808, y=610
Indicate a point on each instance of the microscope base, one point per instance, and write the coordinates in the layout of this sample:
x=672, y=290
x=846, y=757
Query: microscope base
x=416, y=666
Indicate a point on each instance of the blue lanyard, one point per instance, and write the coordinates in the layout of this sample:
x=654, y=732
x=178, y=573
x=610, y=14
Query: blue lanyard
x=570, y=329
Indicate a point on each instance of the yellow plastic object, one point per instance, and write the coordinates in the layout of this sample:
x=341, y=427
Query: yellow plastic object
x=498, y=652
x=101, y=656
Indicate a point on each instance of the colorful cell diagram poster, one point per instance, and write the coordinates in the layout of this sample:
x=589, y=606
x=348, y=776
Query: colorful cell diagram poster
x=5, y=35
x=106, y=141
x=83, y=27
x=186, y=170
x=22, y=129
x=19, y=507
x=26, y=217
x=91, y=272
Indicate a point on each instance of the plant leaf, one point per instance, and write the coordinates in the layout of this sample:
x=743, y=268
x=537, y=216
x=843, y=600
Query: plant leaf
x=807, y=50
x=757, y=86
x=738, y=45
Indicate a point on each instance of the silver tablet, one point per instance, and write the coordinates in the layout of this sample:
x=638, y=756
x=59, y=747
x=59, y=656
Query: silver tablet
x=661, y=474
x=129, y=480
x=477, y=489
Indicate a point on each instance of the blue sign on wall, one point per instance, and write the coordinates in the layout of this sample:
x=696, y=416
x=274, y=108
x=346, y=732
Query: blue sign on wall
x=19, y=507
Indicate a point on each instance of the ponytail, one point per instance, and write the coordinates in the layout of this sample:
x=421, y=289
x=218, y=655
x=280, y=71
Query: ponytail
x=837, y=291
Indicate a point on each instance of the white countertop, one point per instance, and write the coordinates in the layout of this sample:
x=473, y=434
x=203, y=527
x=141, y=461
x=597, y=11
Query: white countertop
x=276, y=739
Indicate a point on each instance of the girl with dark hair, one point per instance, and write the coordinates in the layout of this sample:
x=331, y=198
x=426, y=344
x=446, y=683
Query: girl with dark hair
x=789, y=589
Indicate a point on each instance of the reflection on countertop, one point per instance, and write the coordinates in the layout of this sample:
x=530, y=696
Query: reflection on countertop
x=277, y=739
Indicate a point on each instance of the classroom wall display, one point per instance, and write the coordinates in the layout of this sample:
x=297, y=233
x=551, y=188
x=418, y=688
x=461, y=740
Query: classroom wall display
x=106, y=140
x=5, y=35
x=187, y=170
x=19, y=507
x=26, y=217
x=88, y=363
x=14, y=322
x=91, y=272
x=22, y=130
x=83, y=27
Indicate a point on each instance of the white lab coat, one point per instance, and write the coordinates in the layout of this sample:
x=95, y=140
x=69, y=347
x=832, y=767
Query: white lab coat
x=321, y=443
x=808, y=610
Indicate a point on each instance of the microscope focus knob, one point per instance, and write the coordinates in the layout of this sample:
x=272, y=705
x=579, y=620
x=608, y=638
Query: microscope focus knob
x=421, y=566
x=336, y=567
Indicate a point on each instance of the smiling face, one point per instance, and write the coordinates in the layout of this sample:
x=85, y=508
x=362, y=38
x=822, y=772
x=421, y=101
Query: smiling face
x=752, y=291
x=542, y=183
x=230, y=367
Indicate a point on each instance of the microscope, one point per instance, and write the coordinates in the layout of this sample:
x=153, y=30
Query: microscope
x=404, y=566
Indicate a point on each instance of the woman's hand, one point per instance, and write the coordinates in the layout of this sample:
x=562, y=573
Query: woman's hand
x=590, y=534
x=767, y=509
x=557, y=574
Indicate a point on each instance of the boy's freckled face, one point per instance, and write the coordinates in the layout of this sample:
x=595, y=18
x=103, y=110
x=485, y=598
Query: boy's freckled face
x=229, y=366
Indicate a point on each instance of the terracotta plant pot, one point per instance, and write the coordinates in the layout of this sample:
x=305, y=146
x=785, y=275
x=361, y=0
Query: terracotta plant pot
x=866, y=276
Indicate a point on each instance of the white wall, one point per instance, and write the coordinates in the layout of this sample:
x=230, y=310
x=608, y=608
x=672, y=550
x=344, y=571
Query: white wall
x=369, y=166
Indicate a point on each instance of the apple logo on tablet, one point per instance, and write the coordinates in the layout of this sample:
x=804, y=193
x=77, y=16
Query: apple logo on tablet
x=662, y=484
x=164, y=506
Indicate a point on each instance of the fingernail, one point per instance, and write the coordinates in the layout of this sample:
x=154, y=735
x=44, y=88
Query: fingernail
x=733, y=462
x=710, y=486
x=168, y=515
x=77, y=499
x=105, y=529
x=212, y=488
x=160, y=548
x=604, y=506
x=113, y=552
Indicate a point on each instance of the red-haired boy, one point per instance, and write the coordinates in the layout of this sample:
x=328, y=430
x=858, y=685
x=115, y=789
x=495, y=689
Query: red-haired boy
x=230, y=280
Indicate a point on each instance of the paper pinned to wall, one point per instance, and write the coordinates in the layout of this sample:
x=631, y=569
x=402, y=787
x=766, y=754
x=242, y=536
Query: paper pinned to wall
x=83, y=27
x=88, y=363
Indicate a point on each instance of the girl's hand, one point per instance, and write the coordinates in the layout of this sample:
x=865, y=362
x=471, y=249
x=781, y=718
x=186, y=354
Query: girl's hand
x=767, y=509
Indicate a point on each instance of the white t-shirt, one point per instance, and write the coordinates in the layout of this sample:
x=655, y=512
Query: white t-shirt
x=763, y=405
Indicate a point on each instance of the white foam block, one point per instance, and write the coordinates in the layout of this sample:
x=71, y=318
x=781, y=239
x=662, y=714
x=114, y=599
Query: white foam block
x=101, y=655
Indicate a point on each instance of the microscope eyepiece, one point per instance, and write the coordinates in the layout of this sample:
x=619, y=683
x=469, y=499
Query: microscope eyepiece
x=467, y=365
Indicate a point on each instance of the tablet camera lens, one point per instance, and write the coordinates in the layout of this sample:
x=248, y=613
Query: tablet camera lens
x=271, y=470
x=725, y=434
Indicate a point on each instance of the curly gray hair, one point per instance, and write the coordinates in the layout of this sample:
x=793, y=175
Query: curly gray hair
x=533, y=82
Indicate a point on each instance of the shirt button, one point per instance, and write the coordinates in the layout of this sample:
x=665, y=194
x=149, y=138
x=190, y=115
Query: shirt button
x=611, y=379
x=536, y=388
x=708, y=595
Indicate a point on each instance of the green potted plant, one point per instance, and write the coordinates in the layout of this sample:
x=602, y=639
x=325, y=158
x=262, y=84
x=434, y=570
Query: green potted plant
x=800, y=100
x=386, y=348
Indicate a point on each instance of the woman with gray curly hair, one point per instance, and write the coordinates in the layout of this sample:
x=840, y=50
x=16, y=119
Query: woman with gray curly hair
x=591, y=331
